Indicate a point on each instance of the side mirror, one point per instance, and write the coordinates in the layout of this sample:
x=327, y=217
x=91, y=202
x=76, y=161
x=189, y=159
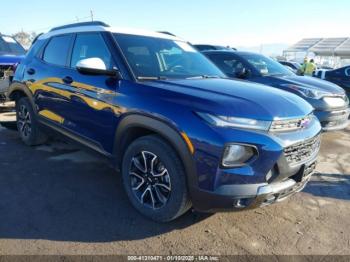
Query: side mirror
x=242, y=72
x=96, y=66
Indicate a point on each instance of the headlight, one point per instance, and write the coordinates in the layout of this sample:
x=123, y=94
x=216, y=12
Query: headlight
x=236, y=155
x=307, y=92
x=245, y=123
x=334, y=101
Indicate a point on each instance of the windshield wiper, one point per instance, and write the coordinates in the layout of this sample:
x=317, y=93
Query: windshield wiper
x=203, y=77
x=151, y=78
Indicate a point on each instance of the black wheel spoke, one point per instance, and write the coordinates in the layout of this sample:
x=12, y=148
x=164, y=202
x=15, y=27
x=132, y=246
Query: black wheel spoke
x=164, y=186
x=144, y=194
x=159, y=194
x=152, y=198
x=23, y=127
x=138, y=165
x=164, y=172
x=140, y=181
x=24, y=121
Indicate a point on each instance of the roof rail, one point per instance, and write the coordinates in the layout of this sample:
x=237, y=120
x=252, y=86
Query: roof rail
x=166, y=32
x=95, y=23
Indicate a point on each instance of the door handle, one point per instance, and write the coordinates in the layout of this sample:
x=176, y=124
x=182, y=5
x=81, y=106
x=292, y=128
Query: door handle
x=67, y=80
x=31, y=71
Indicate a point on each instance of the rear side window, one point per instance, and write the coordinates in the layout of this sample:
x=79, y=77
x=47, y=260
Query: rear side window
x=91, y=45
x=57, y=50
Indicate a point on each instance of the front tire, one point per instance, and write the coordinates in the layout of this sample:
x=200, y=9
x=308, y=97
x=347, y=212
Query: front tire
x=27, y=125
x=155, y=180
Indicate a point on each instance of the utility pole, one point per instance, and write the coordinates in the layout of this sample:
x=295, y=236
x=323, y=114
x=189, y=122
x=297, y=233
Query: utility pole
x=92, y=15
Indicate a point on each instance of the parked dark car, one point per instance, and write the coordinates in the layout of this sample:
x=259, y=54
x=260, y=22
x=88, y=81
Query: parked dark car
x=340, y=76
x=181, y=133
x=212, y=47
x=329, y=100
x=11, y=54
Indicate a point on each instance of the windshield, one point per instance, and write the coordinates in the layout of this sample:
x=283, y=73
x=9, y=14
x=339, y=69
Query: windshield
x=9, y=46
x=266, y=66
x=156, y=58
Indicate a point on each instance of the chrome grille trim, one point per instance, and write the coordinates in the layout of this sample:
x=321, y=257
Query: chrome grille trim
x=291, y=124
x=303, y=151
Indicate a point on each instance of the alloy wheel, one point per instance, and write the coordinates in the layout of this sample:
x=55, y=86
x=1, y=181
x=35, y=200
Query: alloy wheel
x=150, y=180
x=24, y=121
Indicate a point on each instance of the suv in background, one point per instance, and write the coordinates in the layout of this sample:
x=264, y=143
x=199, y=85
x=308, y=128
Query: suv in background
x=181, y=134
x=329, y=100
x=11, y=54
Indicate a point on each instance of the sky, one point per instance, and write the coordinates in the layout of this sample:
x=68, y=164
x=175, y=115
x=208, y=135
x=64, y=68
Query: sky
x=236, y=23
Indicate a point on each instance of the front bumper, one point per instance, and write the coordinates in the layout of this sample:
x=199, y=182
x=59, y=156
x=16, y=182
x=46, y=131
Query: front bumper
x=333, y=120
x=249, y=196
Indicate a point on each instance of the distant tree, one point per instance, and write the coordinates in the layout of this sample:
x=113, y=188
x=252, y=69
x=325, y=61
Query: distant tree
x=25, y=38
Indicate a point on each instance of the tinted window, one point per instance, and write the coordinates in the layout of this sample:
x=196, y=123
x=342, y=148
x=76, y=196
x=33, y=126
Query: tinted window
x=57, y=50
x=157, y=57
x=205, y=47
x=227, y=63
x=265, y=65
x=91, y=46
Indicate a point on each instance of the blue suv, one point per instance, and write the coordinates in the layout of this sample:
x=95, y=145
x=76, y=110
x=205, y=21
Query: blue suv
x=11, y=54
x=180, y=133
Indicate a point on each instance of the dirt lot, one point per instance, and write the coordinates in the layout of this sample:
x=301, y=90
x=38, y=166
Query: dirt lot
x=58, y=199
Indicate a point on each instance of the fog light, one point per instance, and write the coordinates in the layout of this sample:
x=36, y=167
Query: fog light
x=237, y=155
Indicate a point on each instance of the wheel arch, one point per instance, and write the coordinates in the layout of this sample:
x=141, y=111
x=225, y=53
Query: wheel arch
x=18, y=90
x=134, y=126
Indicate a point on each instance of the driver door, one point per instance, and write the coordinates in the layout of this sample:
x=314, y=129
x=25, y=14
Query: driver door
x=92, y=111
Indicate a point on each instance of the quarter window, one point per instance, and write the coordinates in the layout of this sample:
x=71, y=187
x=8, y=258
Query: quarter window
x=91, y=45
x=57, y=50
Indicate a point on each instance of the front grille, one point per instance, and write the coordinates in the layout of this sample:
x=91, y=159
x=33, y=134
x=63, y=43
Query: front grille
x=291, y=124
x=303, y=151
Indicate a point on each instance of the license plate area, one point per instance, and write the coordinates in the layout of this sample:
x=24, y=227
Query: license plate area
x=308, y=171
x=305, y=172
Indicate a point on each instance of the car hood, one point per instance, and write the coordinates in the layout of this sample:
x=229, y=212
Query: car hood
x=308, y=81
x=10, y=59
x=234, y=98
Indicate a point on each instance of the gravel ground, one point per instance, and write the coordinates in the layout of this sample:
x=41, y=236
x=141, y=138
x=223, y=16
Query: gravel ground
x=59, y=199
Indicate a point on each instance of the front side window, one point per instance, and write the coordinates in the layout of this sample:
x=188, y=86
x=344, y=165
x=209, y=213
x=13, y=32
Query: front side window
x=266, y=66
x=91, y=45
x=151, y=57
x=56, y=51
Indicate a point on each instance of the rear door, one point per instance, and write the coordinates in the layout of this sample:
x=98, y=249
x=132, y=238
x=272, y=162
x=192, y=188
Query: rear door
x=46, y=74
